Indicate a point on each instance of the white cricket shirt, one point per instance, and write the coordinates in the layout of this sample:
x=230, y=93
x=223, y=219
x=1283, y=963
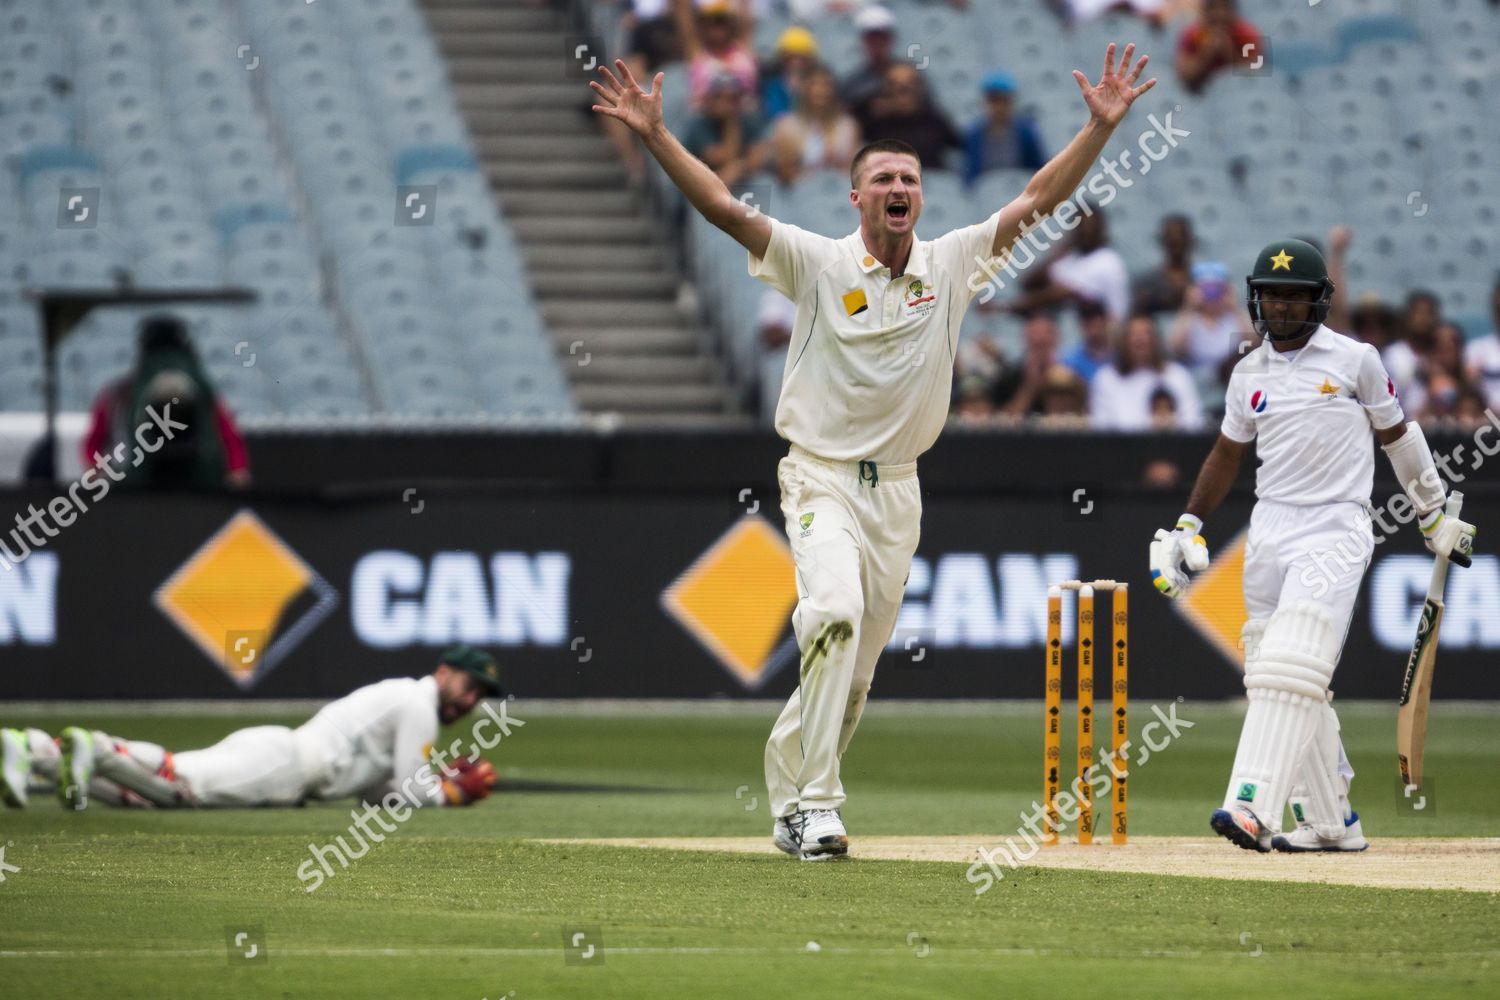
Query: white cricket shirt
x=371, y=741
x=869, y=372
x=1311, y=416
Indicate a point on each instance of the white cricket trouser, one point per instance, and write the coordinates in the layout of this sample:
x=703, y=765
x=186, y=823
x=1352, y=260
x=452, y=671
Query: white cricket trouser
x=1313, y=553
x=853, y=528
x=259, y=766
x=1319, y=553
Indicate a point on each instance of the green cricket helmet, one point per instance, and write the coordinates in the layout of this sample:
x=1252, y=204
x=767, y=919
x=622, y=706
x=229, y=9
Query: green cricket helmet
x=1290, y=262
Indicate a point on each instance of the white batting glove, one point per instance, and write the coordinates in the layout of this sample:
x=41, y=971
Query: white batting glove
x=1448, y=536
x=1171, y=550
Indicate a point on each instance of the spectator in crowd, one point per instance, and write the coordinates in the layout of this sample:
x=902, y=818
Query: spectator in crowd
x=1219, y=39
x=818, y=135
x=651, y=42
x=716, y=43
x=877, y=35
x=783, y=80
x=1120, y=397
x=1211, y=326
x=974, y=404
x=205, y=449
x=903, y=110
x=1082, y=266
x=1421, y=319
x=1375, y=323
x=777, y=316
x=1163, y=410
x=725, y=136
x=651, y=39
x=1482, y=356
x=1095, y=349
x=1002, y=139
x=1163, y=288
x=1442, y=377
x=1019, y=390
x=1064, y=398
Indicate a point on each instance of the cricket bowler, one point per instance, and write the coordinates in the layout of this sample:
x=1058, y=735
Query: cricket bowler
x=865, y=391
x=1308, y=397
x=370, y=744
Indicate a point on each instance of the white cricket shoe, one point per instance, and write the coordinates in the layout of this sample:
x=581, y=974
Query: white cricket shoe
x=1305, y=838
x=15, y=767
x=787, y=833
x=75, y=768
x=1241, y=827
x=823, y=835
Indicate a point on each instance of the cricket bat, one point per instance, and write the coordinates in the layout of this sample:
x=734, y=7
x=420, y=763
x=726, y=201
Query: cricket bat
x=1416, y=686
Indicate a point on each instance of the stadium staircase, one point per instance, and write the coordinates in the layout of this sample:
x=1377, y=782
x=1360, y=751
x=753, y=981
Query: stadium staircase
x=599, y=265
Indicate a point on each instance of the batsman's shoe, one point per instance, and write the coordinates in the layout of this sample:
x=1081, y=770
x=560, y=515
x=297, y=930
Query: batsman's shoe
x=1242, y=828
x=1305, y=839
x=787, y=833
x=15, y=767
x=823, y=835
x=75, y=768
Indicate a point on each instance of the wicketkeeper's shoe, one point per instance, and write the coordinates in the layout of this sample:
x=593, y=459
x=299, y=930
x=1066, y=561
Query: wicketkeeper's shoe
x=823, y=835
x=1305, y=838
x=75, y=768
x=787, y=834
x=1242, y=828
x=15, y=767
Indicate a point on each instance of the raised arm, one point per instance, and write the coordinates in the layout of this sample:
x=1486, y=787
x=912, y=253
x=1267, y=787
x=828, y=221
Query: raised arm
x=1056, y=182
x=641, y=111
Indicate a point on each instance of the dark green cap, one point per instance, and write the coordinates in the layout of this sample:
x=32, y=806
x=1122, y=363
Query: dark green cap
x=1290, y=262
x=478, y=664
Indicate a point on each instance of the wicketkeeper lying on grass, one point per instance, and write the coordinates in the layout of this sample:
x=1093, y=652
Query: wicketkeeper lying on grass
x=369, y=744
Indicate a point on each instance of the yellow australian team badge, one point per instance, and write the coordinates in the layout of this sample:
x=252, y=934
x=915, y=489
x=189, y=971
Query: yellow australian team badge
x=921, y=298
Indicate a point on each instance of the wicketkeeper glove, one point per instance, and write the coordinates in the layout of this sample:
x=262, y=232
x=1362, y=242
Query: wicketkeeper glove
x=468, y=781
x=1172, y=549
x=1447, y=536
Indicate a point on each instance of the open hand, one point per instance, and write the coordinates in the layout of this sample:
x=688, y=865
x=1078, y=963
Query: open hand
x=639, y=109
x=1113, y=96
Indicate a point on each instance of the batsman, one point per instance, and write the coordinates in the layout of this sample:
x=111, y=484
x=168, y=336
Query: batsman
x=1308, y=397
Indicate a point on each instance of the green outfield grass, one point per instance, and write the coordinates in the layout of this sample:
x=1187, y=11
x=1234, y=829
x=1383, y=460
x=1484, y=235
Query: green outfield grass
x=459, y=903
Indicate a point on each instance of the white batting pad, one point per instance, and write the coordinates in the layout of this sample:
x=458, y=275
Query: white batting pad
x=1298, y=652
x=1320, y=790
x=1278, y=728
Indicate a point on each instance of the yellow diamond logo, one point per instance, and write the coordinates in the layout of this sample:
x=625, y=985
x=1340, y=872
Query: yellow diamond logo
x=245, y=598
x=1215, y=601
x=737, y=598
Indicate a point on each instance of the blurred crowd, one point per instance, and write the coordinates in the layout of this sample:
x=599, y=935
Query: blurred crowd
x=1164, y=362
x=1081, y=342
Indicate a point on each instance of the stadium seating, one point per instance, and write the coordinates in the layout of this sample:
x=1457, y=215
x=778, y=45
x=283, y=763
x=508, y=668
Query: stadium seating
x=261, y=143
x=1366, y=105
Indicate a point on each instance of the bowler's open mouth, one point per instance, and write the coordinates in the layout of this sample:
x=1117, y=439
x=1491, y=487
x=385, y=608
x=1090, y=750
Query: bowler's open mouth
x=897, y=210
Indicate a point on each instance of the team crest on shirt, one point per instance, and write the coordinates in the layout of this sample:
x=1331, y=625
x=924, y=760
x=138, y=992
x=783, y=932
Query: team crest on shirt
x=1258, y=401
x=1328, y=388
x=921, y=298
x=806, y=521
